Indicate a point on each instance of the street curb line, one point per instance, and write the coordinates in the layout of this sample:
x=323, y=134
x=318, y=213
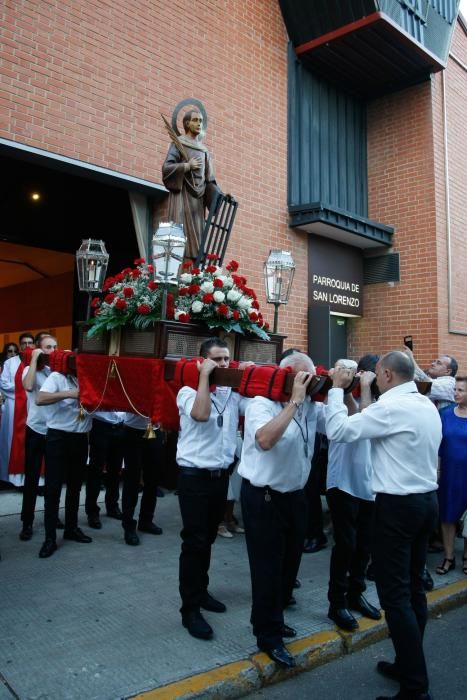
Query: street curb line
x=239, y=678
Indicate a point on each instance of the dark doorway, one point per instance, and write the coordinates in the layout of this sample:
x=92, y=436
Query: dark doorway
x=338, y=332
x=52, y=210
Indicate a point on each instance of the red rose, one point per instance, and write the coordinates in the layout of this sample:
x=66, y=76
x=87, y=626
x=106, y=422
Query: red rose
x=119, y=277
x=139, y=261
x=266, y=326
x=255, y=304
x=218, y=283
x=236, y=315
x=108, y=283
x=251, y=292
x=195, y=271
x=135, y=274
x=211, y=256
x=109, y=298
x=253, y=316
x=183, y=291
x=152, y=286
x=210, y=268
x=186, y=265
x=126, y=271
x=232, y=266
x=184, y=318
x=207, y=298
x=194, y=288
x=150, y=268
x=222, y=310
x=128, y=292
x=143, y=309
x=121, y=304
x=95, y=302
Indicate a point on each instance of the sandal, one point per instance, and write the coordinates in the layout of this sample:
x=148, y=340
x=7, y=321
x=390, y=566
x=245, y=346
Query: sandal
x=464, y=565
x=442, y=570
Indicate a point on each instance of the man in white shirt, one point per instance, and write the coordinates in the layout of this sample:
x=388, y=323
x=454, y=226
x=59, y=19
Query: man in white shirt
x=441, y=373
x=405, y=432
x=275, y=464
x=66, y=453
x=36, y=429
x=351, y=502
x=205, y=450
x=8, y=389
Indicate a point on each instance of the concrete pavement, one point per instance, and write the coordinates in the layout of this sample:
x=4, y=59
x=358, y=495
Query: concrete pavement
x=101, y=621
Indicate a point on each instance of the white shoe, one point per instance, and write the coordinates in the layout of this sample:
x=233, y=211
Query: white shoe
x=223, y=532
x=235, y=527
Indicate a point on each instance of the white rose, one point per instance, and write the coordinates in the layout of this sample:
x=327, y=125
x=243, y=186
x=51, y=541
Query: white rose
x=186, y=278
x=219, y=297
x=197, y=307
x=244, y=303
x=228, y=282
x=218, y=272
x=207, y=287
x=233, y=296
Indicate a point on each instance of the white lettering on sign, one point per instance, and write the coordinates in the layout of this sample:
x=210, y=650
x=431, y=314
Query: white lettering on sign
x=330, y=297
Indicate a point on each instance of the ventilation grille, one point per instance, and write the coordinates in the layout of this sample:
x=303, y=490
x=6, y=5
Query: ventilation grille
x=383, y=268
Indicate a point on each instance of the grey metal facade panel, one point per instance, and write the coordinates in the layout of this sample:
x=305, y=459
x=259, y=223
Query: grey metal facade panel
x=327, y=157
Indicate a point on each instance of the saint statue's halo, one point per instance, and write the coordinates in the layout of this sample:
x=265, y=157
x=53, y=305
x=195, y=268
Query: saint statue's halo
x=190, y=102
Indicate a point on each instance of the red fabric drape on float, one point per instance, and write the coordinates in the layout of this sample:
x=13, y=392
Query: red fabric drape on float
x=125, y=384
x=16, y=463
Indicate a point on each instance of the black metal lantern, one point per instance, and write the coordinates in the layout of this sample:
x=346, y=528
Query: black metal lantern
x=92, y=260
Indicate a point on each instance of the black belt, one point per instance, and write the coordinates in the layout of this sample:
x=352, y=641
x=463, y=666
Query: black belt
x=203, y=473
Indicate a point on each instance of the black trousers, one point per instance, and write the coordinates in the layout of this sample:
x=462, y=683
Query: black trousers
x=142, y=459
x=202, y=502
x=65, y=460
x=351, y=521
x=34, y=454
x=105, y=451
x=314, y=486
x=275, y=527
x=401, y=528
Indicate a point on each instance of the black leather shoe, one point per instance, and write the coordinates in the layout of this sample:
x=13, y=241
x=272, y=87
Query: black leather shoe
x=343, y=619
x=197, y=625
x=315, y=544
x=77, y=535
x=388, y=670
x=361, y=605
x=131, y=537
x=115, y=513
x=26, y=533
x=297, y=583
x=151, y=528
x=428, y=583
x=59, y=525
x=94, y=521
x=47, y=549
x=292, y=601
x=211, y=604
x=287, y=631
x=281, y=656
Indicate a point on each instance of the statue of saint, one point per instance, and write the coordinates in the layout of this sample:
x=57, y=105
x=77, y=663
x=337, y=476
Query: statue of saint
x=189, y=176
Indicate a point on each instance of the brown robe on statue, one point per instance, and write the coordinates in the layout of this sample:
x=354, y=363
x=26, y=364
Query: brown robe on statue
x=190, y=193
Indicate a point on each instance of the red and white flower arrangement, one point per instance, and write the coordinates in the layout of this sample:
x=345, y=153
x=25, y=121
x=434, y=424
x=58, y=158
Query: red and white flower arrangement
x=219, y=298
x=130, y=298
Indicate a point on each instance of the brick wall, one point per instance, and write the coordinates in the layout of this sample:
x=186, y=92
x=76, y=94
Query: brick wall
x=406, y=171
x=88, y=80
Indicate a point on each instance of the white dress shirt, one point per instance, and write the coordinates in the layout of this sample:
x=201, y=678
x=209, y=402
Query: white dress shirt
x=134, y=420
x=63, y=415
x=206, y=444
x=113, y=417
x=37, y=415
x=286, y=466
x=349, y=468
x=405, y=432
